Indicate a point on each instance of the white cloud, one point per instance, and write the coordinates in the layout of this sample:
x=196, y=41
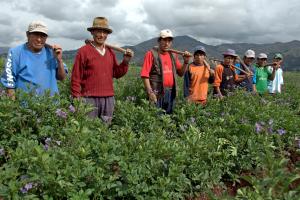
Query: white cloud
x=134, y=21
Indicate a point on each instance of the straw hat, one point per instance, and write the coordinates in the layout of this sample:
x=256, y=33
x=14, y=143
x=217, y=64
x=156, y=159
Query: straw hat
x=100, y=23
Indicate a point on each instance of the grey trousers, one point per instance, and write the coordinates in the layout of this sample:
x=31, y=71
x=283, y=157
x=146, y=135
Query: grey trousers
x=103, y=108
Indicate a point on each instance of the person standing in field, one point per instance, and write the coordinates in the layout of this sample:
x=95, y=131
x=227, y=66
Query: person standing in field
x=247, y=65
x=197, y=76
x=159, y=72
x=276, y=85
x=34, y=66
x=225, y=76
x=263, y=74
x=94, y=68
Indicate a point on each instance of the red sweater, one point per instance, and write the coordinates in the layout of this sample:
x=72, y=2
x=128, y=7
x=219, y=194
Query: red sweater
x=93, y=74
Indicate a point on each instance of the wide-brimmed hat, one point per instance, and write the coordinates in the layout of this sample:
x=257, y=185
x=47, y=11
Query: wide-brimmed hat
x=230, y=52
x=37, y=26
x=100, y=23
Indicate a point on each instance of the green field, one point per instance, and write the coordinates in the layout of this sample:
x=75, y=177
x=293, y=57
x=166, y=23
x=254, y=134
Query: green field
x=243, y=147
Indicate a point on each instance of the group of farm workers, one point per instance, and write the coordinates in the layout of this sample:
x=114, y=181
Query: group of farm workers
x=35, y=66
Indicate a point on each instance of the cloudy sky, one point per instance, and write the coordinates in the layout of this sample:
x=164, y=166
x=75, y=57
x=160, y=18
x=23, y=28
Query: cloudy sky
x=134, y=21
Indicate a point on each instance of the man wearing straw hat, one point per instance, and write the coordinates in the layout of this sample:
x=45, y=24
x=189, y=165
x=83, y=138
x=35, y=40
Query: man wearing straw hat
x=34, y=66
x=159, y=72
x=94, y=68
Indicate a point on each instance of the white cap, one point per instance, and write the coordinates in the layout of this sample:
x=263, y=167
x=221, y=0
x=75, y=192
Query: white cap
x=262, y=55
x=166, y=33
x=38, y=26
x=250, y=54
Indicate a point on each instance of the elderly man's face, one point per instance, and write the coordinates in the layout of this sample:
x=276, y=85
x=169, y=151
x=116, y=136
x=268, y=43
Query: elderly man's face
x=36, y=41
x=99, y=36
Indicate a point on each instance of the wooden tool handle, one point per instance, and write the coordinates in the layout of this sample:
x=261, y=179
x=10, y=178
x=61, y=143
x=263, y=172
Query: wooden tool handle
x=247, y=73
x=116, y=48
x=171, y=50
x=87, y=41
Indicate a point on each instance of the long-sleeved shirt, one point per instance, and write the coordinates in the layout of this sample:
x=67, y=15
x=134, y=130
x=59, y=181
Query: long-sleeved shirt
x=92, y=74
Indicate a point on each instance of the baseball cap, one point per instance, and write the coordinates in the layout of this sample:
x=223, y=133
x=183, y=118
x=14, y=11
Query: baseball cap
x=262, y=55
x=38, y=26
x=250, y=53
x=199, y=48
x=166, y=33
x=278, y=56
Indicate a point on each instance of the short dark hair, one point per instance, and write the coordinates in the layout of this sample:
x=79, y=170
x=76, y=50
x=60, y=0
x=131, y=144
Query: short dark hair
x=199, y=52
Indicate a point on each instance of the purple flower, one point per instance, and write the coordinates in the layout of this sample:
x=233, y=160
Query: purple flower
x=72, y=109
x=281, y=131
x=299, y=144
x=270, y=130
x=2, y=152
x=61, y=113
x=222, y=114
x=46, y=147
x=258, y=127
x=26, y=188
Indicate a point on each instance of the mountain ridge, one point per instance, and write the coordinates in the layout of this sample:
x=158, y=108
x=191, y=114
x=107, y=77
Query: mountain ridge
x=290, y=50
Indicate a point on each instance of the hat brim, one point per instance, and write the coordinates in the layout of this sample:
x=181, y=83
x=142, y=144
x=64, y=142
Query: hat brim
x=100, y=28
x=163, y=37
x=38, y=31
x=234, y=55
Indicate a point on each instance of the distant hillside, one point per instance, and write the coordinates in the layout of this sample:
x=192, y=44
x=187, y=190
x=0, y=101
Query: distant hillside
x=3, y=50
x=290, y=50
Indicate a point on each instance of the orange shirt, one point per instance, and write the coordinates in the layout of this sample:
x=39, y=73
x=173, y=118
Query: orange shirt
x=198, y=83
x=166, y=67
x=218, y=75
